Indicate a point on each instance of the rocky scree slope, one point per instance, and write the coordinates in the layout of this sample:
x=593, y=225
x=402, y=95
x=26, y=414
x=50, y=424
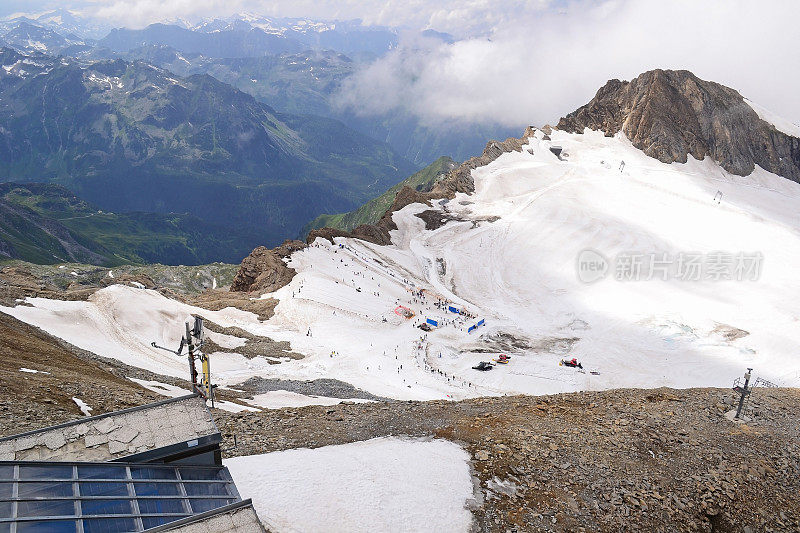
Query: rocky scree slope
x=670, y=114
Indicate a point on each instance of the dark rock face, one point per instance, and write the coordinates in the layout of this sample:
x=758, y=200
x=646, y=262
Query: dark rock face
x=264, y=270
x=669, y=114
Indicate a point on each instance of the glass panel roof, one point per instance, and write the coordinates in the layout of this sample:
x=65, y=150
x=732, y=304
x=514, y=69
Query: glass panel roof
x=46, y=471
x=101, y=472
x=53, y=497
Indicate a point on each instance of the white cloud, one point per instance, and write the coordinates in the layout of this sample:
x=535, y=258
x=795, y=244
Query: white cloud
x=460, y=17
x=521, y=61
x=539, y=65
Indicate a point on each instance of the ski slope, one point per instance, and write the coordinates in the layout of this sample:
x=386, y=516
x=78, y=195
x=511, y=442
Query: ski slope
x=510, y=257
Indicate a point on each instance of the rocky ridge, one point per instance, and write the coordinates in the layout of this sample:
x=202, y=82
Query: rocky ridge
x=670, y=114
x=264, y=270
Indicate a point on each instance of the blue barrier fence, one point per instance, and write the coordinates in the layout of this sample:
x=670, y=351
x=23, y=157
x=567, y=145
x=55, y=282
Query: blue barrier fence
x=453, y=309
x=480, y=323
x=432, y=322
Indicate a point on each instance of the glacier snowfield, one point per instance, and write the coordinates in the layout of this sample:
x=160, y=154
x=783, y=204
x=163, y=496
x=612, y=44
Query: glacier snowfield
x=509, y=255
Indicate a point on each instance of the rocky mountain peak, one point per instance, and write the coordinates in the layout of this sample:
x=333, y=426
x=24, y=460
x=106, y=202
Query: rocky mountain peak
x=670, y=114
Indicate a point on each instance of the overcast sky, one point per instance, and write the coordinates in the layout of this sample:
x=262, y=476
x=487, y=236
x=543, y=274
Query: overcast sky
x=519, y=62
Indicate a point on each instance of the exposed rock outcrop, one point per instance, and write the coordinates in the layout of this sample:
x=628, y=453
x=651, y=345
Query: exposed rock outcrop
x=669, y=114
x=264, y=270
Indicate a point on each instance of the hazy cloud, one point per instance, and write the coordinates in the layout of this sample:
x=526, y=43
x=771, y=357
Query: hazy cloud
x=529, y=61
x=541, y=64
x=459, y=17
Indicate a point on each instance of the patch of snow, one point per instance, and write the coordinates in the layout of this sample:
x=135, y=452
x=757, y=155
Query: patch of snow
x=280, y=398
x=232, y=407
x=31, y=371
x=111, y=274
x=164, y=389
x=85, y=409
x=498, y=486
x=380, y=485
x=137, y=284
x=230, y=342
x=74, y=273
x=780, y=123
x=120, y=322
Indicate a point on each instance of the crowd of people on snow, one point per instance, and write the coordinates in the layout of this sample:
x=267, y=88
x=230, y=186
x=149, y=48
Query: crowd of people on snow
x=421, y=298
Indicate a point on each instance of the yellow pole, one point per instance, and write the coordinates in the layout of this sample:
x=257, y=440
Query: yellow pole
x=207, y=376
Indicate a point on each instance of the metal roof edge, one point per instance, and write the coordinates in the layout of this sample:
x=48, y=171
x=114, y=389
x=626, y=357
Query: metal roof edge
x=202, y=516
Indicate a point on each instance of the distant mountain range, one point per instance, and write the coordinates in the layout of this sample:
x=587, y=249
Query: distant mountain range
x=293, y=65
x=308, y=82
x=222, y=132
x=128, y=136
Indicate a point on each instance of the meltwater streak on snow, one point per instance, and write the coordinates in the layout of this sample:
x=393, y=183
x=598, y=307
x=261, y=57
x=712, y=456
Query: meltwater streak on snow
x=379, y=485
x=519, y=273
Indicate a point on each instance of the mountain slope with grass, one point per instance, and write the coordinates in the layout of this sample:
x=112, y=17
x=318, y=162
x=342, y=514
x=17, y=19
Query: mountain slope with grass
x=309, y=82
x=43, y=223
x=27, y=235
x=372, y=211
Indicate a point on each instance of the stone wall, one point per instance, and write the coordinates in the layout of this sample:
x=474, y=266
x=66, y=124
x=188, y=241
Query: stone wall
x=114, y=435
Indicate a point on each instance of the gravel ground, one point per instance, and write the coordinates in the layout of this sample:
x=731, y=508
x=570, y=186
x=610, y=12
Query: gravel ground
x=623, y=460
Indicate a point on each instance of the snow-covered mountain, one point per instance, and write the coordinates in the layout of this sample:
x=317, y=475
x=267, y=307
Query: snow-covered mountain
x=572, y=245
x=32, y=38
x=63, y=21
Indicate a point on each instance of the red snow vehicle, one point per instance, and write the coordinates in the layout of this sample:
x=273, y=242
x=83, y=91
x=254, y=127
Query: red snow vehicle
x=571, y=363
x=503, y=359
